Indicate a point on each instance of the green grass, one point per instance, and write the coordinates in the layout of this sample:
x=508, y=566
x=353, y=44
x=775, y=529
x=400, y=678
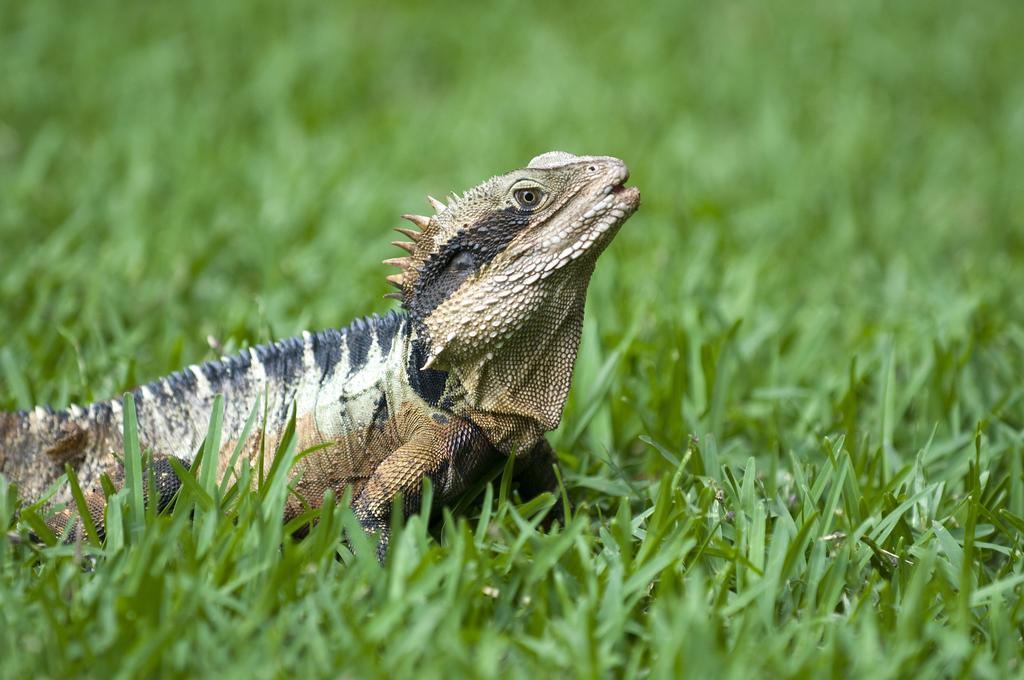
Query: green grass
x=796, y=435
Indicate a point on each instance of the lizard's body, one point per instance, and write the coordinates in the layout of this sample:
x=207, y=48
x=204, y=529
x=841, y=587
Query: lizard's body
x=476, y=368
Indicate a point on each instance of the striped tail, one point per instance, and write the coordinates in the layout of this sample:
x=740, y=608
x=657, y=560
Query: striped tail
x=173, y=412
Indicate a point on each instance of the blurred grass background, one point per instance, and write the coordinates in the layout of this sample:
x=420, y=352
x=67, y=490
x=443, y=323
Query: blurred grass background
x=831, y=244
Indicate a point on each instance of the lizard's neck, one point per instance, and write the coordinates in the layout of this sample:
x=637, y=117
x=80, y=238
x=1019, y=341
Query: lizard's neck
x=517, y=391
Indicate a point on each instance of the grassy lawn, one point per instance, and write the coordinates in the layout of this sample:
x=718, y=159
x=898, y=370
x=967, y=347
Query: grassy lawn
x=796, y=435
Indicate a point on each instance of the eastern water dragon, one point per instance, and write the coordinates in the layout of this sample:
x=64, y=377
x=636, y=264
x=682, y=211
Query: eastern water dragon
x=474, y=369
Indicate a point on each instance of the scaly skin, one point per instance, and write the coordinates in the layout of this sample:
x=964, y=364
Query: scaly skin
x=476, y=368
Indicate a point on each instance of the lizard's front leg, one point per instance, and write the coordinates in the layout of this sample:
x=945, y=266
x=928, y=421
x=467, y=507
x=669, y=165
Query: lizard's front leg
x=453, y=455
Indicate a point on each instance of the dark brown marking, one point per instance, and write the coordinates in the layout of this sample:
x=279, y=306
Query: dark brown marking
x=70, y=444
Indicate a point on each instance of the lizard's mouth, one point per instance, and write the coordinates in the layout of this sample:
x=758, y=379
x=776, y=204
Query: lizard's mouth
x=617, y=198
x=613, y=206
x=629, y=196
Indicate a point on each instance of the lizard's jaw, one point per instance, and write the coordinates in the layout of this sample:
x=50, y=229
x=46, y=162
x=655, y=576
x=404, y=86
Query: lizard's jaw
x=590, y=232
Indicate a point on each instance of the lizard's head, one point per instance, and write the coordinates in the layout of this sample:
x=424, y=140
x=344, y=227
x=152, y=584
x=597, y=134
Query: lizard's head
x=506, y=253
x=496, y=280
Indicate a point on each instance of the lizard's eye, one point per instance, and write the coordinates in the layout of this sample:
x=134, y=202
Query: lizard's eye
x=462, y=261
x=528, y=198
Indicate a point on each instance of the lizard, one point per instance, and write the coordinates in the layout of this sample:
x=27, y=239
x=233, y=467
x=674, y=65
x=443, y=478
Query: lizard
x=474, y=367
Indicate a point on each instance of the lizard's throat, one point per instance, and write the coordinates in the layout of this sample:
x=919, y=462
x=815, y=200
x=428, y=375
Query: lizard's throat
x=517, y=392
